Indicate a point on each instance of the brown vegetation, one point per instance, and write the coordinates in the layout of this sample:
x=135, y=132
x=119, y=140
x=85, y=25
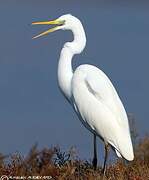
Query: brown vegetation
x=53, y=164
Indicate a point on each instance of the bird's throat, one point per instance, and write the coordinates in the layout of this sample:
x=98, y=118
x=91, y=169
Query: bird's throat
x=65, y=72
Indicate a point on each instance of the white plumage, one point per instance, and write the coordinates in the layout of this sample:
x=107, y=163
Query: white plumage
x=101, y=109
x=91, y=92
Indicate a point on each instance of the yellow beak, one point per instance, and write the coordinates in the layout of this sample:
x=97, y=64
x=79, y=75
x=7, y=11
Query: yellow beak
x=54, y=22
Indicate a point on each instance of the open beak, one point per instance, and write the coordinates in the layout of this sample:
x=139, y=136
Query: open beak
x=57, y=22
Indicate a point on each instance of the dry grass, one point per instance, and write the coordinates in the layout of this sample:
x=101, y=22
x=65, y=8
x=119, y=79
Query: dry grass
x=60, y=166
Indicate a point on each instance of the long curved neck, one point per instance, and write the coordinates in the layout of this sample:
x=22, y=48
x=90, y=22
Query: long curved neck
x=65, y=71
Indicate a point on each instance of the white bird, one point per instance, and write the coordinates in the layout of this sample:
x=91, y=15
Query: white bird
x=91, y=93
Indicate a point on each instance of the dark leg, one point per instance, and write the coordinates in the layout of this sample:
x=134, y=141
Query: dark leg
x=105, y=160
x=94, y=162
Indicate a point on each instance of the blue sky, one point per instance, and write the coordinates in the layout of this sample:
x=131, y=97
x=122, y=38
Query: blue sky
x=32, y=108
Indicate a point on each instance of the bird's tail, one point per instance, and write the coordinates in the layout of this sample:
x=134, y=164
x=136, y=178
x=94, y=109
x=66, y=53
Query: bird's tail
x=125, y=148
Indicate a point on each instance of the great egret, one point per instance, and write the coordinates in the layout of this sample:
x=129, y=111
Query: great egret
x=91, y=93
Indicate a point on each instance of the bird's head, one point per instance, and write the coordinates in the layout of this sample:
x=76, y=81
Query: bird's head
x=64, y=22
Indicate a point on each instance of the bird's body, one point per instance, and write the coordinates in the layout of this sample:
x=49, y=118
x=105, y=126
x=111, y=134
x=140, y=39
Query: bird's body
x=91, y=92
x=100, y=108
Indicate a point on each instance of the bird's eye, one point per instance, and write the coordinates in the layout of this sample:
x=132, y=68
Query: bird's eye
x=64, y=22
